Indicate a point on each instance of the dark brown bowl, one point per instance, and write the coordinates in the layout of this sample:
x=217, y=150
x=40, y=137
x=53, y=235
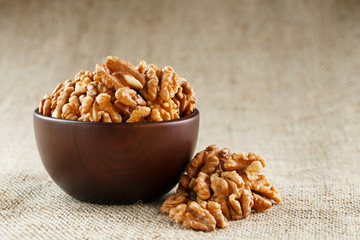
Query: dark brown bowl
x=112, y=163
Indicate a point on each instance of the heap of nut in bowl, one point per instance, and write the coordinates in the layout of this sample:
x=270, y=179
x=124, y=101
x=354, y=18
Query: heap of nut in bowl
x=219, y=185
x=120, y=92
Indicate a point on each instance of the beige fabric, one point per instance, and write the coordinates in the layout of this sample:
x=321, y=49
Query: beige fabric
x=279, y=78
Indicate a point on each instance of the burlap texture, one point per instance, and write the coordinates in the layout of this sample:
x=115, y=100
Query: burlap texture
x=279, y=78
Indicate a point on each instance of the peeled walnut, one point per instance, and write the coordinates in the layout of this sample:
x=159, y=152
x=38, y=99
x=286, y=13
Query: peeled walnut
x=131, y=105
x=201, y=186
x=215, y=210
x=98, y=109
x=138, y=115
x=234, y=177
x=199, y=218
x=60, y=87
x=246, y=202
x=164, y=83
x=221, y=193
x=83, y=73
x=103, y=75
x=169, y=84
x=125, y=111
x=160, y=93
x=262, y=187
x=241, y=205
x=251, y=164
x=70, y=111
x=261, y=203
x=142, y=67
x=116, y=73
x=92, y=89
x=58, y=91
x=163, y=110
x=129, y=97
x=61, y=104
x=173, y=201
x=183, y=184
x=105, y=117
x=45, y=105
x=127, y=101
x=121, y=67
x=84, y=79
x=253, y=170
x=235, y=201
x=206, y=161
x=95, y=88
x=152, y=73
x=168, y=95
x=178, y=213
x=239, y=198
x=89, y=110
x=101, y=88
x=104, y=103
x=185, y=98
x=204, y=216
x=60, y=101
x=86, y=105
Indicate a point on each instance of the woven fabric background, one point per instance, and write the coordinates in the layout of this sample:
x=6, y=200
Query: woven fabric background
x=278, y=78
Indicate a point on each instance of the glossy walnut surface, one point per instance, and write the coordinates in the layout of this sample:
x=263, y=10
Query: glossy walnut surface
x=112, y=163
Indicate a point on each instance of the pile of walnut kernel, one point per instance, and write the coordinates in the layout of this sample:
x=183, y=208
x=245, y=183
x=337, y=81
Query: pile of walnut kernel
x=119, y=92
x=219, y=185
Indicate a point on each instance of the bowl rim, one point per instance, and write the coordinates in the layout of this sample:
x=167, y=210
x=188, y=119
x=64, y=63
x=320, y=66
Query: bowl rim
x=194, y=114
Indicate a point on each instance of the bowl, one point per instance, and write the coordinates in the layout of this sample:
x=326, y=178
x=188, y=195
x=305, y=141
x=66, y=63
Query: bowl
x=116, y=163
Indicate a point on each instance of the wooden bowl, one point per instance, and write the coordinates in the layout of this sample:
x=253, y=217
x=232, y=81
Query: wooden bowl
x=111, y=163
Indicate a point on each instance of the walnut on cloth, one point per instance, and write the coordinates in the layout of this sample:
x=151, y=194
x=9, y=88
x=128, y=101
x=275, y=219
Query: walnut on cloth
x=218, y=186
x=119, y=92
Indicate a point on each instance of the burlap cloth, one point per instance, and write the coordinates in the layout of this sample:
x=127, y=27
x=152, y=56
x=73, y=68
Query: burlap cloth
x=279, y=78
